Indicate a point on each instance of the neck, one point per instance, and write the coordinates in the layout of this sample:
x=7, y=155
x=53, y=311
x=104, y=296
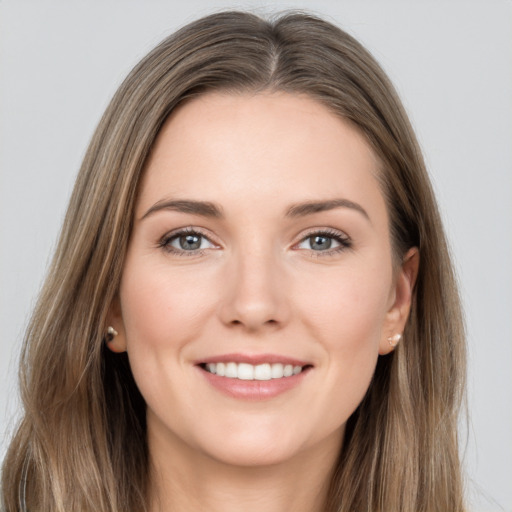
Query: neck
x=181, y=482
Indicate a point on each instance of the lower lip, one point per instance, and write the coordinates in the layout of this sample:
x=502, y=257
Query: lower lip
x=254, y=389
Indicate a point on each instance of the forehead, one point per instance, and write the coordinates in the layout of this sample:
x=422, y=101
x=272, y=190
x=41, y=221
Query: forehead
x=247, y=147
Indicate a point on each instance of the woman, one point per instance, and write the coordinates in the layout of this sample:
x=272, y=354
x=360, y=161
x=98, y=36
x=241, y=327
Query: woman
x=251, y=305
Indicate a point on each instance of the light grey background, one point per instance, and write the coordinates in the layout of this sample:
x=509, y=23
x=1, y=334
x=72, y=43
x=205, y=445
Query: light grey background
x=60, y=62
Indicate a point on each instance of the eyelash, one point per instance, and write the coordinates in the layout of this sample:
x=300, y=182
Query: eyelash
x=343, y=240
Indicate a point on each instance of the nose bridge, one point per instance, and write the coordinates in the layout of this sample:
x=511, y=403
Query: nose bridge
x=254, y=294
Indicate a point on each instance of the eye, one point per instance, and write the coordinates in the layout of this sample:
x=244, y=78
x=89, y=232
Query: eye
x=325, y=241
x=318, y=243
x=186, y=241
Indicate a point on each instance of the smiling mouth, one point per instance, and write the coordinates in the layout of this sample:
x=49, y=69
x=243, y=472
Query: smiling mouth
x=248, y=372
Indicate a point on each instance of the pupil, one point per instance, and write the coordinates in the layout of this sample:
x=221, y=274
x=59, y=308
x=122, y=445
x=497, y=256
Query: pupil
x=320, y=242
x=190, y=242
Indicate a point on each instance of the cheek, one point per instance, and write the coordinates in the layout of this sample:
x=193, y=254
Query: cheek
x=161, y=307
x=346, y=319
x=163, y=310
x=349, y=310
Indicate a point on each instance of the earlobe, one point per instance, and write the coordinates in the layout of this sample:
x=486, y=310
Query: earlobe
x=398, y=314
x=114, y=337
x=394, y=340
x=113, y=341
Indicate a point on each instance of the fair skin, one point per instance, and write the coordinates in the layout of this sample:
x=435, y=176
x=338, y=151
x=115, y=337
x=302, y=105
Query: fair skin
x=256, y=279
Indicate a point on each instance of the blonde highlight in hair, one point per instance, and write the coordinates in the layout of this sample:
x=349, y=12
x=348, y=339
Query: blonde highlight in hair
x=81, y=445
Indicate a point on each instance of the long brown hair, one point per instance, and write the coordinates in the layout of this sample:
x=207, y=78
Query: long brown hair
x=81, y=445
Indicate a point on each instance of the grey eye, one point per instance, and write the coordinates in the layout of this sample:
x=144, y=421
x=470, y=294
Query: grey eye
x=189, y=242
x=319, y=243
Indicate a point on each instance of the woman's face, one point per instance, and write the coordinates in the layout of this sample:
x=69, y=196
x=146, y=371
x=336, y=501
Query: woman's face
x=260, y=248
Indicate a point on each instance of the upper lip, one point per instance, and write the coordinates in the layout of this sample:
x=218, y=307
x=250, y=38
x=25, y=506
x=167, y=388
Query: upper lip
x=254, y=359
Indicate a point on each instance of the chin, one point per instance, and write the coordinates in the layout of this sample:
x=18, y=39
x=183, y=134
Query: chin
x=261, y=445
x=252, y=455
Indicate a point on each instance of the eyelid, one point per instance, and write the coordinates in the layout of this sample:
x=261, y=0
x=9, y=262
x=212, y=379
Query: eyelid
x=328, y=231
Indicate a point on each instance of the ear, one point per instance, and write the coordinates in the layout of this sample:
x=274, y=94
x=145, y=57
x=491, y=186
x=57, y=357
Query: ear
x=401, y=299
x=116, y=343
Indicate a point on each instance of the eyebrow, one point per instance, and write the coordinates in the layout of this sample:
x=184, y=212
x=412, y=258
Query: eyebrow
x=311, y=207
x=202, y=208
x=212, y=210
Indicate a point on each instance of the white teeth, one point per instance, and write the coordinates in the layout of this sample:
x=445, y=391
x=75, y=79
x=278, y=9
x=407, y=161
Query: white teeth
x=277, y=371
x=231, y=370
x=221, y=369
x=263, y=372
x=245, y=371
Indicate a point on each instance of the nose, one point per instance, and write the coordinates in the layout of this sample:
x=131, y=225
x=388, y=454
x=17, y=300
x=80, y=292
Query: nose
x=254, y=296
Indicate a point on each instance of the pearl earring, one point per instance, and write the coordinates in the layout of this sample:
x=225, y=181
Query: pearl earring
x=393, y=340
x=111, y=334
